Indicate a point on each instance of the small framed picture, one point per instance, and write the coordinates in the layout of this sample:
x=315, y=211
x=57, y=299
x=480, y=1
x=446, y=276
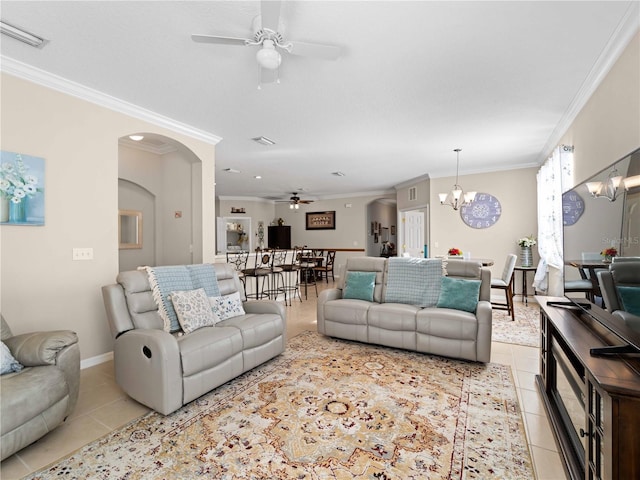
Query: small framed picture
x=321, y=220
x=393, y=229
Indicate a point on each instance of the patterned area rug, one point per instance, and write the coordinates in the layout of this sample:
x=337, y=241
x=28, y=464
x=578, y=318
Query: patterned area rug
x=525, y=330
x=328, y=409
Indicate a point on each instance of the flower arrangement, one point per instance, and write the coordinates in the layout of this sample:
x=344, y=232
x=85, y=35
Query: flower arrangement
x=529, y=241
x=607, y=253
x=455, y=252
x=15, y=183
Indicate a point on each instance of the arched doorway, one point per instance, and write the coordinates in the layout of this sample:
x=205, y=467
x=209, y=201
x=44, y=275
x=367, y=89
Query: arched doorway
x=164, y=177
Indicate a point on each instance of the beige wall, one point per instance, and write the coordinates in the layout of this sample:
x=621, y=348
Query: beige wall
x=516, y=191
x=40, y=286
x=608, y=127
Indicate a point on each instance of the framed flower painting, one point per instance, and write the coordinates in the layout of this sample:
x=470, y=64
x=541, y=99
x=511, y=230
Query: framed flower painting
x=21, y=189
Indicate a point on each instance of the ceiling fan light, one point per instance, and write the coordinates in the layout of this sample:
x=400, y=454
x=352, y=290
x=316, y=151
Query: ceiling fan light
x=291, y=206
x=268, y=57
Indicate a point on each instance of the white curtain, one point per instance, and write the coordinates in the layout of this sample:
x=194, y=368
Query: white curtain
x=555, y=173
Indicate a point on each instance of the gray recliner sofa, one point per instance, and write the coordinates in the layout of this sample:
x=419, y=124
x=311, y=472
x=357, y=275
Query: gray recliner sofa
x=441, y=331
x=165, y=371
x=51, y=363
x=623, y=272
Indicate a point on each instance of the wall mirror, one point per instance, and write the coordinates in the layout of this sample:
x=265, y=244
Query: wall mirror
x=129, y=229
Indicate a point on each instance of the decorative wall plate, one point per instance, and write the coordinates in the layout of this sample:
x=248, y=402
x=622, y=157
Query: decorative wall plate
x=572, y=207
x=483, y=212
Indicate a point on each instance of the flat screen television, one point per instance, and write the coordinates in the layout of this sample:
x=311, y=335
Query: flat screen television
x=597, y=217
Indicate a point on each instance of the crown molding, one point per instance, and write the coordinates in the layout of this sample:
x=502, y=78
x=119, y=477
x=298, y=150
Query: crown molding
x=627, y=28
x=21, y=70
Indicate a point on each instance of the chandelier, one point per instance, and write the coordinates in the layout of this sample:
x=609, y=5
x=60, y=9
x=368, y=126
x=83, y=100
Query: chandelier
x=607, y=189
x=456, y=198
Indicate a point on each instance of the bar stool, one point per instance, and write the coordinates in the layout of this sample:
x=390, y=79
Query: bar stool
x=239, y=262
x=275, y=280
x=261, y=270
x=307, y=273
x=290, y=274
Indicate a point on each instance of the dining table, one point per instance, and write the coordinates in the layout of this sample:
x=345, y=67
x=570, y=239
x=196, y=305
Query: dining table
x=486, y=262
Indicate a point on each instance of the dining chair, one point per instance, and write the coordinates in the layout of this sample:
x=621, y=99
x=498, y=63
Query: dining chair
x=327, y=267
x=506, y=283
x=586, y=284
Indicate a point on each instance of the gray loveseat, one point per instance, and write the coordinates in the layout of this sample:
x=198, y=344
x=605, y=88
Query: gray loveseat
x=38, y=398
x=167, y=370
x=441, y=331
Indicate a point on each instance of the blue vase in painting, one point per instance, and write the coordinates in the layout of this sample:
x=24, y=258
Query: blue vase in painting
x=18, y=211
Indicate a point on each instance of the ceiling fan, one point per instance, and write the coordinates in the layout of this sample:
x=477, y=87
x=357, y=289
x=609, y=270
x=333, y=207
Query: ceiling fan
x=271, y=42
x=295, y=201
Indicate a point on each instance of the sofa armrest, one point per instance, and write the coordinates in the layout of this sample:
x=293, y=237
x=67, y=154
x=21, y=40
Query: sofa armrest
x=324, y=297
x=40, y=348
x=484, y=314
x=149, y=368
x=264, y=306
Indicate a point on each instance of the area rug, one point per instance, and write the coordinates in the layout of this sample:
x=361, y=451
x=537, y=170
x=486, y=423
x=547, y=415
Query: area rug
x=525, y=330
x=327, y=409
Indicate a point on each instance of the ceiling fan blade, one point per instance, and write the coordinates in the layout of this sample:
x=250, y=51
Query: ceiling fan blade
x=305, y=201
x=270, y=12
x=218, y=39
x=327, y=52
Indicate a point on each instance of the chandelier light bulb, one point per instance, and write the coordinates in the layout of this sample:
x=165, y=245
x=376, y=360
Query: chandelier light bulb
x=457, y=197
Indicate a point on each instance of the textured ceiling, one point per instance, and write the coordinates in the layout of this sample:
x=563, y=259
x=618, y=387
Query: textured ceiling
x=416, y=80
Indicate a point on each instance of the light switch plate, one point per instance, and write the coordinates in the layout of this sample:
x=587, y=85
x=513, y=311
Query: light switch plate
x=83, y=253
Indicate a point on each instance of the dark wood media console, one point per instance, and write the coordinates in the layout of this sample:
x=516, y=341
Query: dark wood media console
x=593, y=402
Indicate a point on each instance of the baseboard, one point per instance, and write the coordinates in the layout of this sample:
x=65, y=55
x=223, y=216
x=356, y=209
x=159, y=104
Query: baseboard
x=97, y=360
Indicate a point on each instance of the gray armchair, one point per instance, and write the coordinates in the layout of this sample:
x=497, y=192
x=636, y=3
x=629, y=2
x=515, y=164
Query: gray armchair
x=51, y=363
x=622, y=272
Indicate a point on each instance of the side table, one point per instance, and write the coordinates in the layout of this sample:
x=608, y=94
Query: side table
x=524, y=271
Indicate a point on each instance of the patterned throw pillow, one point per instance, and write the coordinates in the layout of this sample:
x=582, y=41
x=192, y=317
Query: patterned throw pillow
x=193, y=309
x=8, y=364
x=227, y=306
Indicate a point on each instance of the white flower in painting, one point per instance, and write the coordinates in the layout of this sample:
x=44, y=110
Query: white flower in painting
x=14, y=181
x=7, y=167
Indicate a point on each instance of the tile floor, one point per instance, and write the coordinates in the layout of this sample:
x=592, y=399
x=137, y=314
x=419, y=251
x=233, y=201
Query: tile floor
x=103, y=407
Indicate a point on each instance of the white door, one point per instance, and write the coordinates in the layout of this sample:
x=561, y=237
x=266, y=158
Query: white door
x=413, y=233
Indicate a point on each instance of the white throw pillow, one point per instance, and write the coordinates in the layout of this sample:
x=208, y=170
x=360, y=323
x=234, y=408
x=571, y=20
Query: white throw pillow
x=193, y=309
x=8, y=364
x=227, y=306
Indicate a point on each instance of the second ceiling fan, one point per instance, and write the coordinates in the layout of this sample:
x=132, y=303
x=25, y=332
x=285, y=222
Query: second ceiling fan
x=271, y=42
x=295, y=201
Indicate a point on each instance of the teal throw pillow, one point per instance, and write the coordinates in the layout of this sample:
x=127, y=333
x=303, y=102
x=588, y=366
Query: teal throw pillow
x=360, y=285
x=459, y=294
x=630, y=298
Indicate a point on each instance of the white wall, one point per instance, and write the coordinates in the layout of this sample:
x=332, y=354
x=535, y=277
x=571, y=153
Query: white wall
x=41, y=287
x=516, y=191
x=608, y=126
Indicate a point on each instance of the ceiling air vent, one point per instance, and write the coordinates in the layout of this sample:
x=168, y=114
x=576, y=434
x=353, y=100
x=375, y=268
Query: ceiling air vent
x=413, y=195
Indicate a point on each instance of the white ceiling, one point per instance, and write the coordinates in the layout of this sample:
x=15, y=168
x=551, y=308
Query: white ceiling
x=501, y=80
